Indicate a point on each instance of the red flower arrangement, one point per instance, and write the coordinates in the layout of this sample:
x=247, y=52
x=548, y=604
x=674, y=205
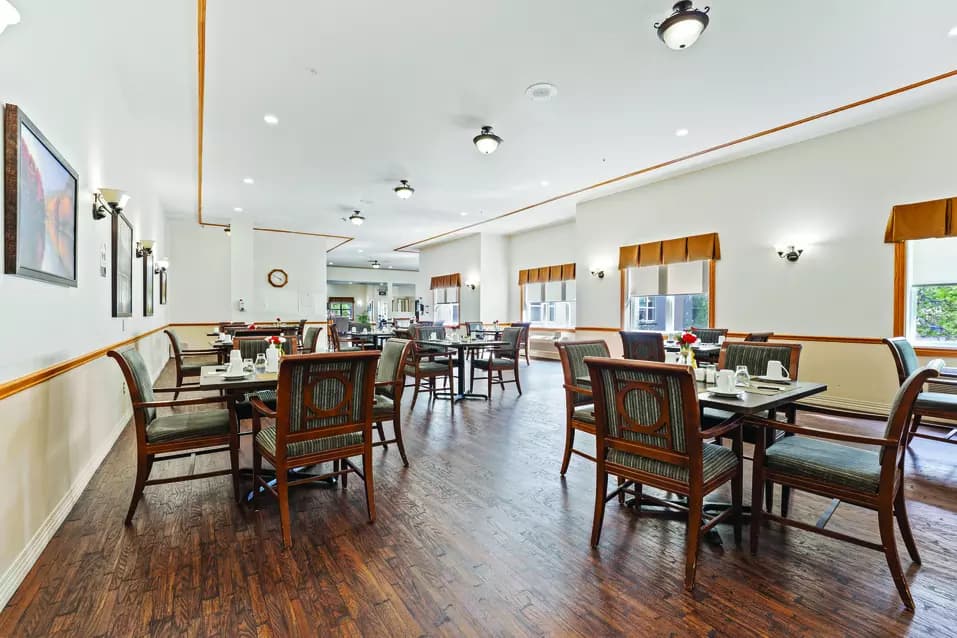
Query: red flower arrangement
x=274, y=340
x=252, y=326
x=689, y=337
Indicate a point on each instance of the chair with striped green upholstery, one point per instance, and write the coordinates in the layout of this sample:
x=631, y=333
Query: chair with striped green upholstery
x=311, y=339
x=389, y=384
x=186, y=362
x=500, y=359
x=643, y=345
x=579, y=412
x=939, y=402
x=249, y=348
x=324, y=412
x=648, y=432
x=709, y=335
x=869, y=475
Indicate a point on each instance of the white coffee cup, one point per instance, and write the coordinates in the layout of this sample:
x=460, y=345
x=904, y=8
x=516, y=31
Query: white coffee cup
x=724, y=382
x=776, y=370
x=720, y=339
x=699, y=374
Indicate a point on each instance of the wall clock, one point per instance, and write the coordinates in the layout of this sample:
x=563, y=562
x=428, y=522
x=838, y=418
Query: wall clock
x=277, y=278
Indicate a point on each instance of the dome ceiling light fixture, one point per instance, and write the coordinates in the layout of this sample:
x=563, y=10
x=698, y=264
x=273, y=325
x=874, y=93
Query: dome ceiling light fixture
x=486, y=142
x=375, y=264
x=356, y=218
x=403, y=190
x=684, y=26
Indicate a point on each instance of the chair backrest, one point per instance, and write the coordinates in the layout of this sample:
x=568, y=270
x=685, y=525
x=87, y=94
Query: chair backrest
x=140, y=384
x=643, y=345
x=311, y=339
x=249, y=347
x=391, y=368
x=572, y=355
x=755, y=355
x=233, y=325
x=341, y=324
x=898, y=421
x=258, y=332
x=423, y=323
x=335, y=342
x=301, y=328
x=326, y=394
x=710, y=335
x=526, y=326
x=758, y=337
x=177, y=347
x=428, y=333
x=513, y=337
x=649, y=409
x=474, y=326
x=905, y=358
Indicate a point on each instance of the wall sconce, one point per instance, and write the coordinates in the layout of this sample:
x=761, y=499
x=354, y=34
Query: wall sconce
x=161, y=266
x=598, y=273
x=145, y=247
x=790, y=253
x=228, y=231
x=109, y=201
x=471, y=285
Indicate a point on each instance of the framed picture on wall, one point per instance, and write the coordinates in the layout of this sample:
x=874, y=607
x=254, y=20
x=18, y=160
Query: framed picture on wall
x=122, y=266
x=40, y=204
x=163, y=284
x=148, y=284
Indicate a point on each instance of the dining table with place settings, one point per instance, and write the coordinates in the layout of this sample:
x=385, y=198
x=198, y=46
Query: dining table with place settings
x=461, y=347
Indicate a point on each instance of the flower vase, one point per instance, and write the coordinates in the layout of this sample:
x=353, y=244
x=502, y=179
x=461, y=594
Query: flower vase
x=687, y=357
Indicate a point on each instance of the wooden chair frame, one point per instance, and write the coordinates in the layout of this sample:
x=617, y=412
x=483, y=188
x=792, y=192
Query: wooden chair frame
x=632, y=340
x=342, y=466
x=523, y=341
x=147, y=453
x=179, y=357
x=920, y=411
x=499, y=352
x=793, y=364
x=426, y=379
x=398, y=386
x=571, y=389
x=696, y=488
x=888, y=501
x=313, y=343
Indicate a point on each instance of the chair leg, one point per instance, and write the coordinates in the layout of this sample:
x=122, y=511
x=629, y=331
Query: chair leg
x=900, y=513
x=378, y=426
x=695, y=506
x=142, y=473
x=569, y=442
x=501, y=381
x=397, y=426
x=915, y=423
x=415, y=393
x=785, y=500
x=234, y=465
x=367, y=476
x=885, y=518
x=179, y=383
x=282, y=489
x=737, y=495
x=518, y=380
x=601, y=491
x=757, y=504
x=341, y=465
x=257, y=470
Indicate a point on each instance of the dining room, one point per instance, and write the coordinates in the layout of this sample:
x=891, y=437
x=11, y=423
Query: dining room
x=313, y=362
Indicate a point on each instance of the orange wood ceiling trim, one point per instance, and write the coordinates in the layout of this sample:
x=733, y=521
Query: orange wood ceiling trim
x=706, y=151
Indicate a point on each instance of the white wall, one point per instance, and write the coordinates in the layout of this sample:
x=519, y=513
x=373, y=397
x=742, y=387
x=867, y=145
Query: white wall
x=460, y=255
x=304, y=260
x=547, y=246
x=493, y=287
x=199, y=275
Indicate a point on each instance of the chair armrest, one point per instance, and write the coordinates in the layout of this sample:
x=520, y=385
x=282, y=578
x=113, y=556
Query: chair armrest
x=198, y=353
x=578, y=389
x=182, y=388
x=720, y=430
x=942, y=380
x=179, y=402
x=825, y=434
x=382, y=384
x=260, y=408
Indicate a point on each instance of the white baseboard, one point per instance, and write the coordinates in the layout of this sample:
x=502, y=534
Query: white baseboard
x=25, y=560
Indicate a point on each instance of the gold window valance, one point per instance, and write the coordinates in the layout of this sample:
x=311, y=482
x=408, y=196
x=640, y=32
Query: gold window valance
x=562, y=272
x=923, y=220
x=446, y=281
x=670, y=251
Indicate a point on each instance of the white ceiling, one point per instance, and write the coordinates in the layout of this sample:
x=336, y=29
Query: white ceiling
x=370, y=92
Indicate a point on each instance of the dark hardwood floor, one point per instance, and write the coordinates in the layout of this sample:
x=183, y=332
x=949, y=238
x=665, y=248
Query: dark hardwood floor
x=479, y=537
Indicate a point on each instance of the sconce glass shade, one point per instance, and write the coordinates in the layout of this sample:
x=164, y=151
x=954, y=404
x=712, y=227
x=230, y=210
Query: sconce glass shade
x=115, y=196
x=147, y=244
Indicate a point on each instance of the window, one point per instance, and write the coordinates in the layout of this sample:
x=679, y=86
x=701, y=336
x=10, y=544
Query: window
x=446, y=305
x=667, y=298
x=932, y=292
x=341, y=306
x=550, y=304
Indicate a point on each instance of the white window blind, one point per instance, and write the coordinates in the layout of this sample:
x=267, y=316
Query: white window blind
x=570, y=290
x=534, y=292
x=687, y=278
x=933, y=261
x=553, y=291
x=645, y=282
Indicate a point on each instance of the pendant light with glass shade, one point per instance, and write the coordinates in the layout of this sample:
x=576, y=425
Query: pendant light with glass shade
x=375, y=264
x=684, y=26
x=356, y=218
x=486, y=142
x=403, y=190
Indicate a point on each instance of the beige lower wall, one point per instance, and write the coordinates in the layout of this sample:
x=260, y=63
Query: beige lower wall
x=53, y=437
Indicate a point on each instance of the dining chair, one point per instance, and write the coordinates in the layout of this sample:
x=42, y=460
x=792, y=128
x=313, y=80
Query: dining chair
x=249, y=348
x=709, y=335
x=817, y=461
x=323, y=413
x=500, y=359
x=184, y=369
x=300, y=330
x=389, y=385
x=526, y=326
x=474, y=326
x=643, y=345
x=427, y=363
x=337, y=345
x=758, y=337
x=310, y=340
x=579, y=412
x=941, y=405
x=174, y=436
x=648, y=432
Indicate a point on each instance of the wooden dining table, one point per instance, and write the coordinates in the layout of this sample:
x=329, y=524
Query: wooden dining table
x=461, y=347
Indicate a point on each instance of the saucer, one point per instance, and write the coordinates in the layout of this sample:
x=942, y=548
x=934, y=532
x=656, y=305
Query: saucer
x=774, y=379
x=736, y=394
x=233, y=377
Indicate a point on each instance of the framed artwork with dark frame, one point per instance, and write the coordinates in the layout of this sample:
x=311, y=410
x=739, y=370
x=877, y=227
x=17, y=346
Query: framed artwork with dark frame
x=122, y=266
x=163, y=284
x=39, y=204
x=148, y=284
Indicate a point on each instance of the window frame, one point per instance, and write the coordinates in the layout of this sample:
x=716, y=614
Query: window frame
x=573, y=310
x=623, y=295
x=457, y=305
x=901, y=293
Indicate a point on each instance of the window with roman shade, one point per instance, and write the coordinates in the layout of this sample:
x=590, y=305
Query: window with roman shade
x=549, y=295
x=926, y=298
x=445, y=297
x=668, y=283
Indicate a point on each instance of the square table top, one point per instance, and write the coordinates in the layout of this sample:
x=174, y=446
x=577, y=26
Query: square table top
x=211, y=378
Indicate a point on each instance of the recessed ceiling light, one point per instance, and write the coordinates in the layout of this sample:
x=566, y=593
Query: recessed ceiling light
x=403, y=190
x=248, y=180
x=270, y=119
x=463, y=213
x=684, y=26
x=486, y=142
x=541, y=91
x=681, y=132
x=952, y=33
x=544, y=183
x=237, y=210
x=332, y=263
